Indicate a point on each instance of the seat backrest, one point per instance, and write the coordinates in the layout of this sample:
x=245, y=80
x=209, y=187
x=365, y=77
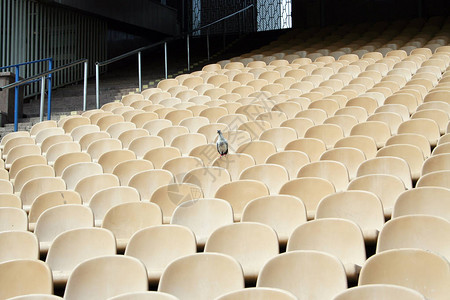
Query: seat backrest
x=89, y=185
x=304, y=273
x=98, y=147
x=429, y=274
x=333, y=171
x=411, y=139
x=377, y=130
x=410, y=153
x=123, y=220
x=438, y=162
x=37, y=186
x=179, y=166
x=127, y=169
x=18, y=245
x=109, y=271
x=211, y=275
x=387, y=165
x=26, y=161
x=387, y=188
x=12, y=218
x=235, y=163
x=427, y=200
x=426, y=127
x=251, y=244
x=65, y=160
x=104, y=199
x=110, y=159
x=436, y=178
x=259, y=150
x=339, y=237
x=416, y=231
x=168, y=196
x=379, y=291
x=24, y=276
x=159, y=156
x=258, y=293
x=203, y=216
x=146, y=182
x=142, y=145
x=272, y=175
x=209, y=179
x=73, y=173
x=157, y=246
x=310, y=190
x=74, y=246
x=31, y=172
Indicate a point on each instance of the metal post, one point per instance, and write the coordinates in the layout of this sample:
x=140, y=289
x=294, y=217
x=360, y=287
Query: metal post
x=16, y=102
x=140, y=72
x=49, y=92
x=188, y=54
x=165, y=57
x=41, y=109
x=207, y=41
x=85, y=85
x=97, y=86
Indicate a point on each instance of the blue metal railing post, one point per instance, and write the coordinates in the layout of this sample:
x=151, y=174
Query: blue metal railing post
x=49, y=95
x=16, y=102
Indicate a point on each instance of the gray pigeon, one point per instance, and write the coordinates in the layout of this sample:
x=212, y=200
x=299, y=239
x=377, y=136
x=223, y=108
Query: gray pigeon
x=222, y=144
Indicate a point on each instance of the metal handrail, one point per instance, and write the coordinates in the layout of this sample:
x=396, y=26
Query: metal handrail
x=16, y=92
x=165, y=41
x=43, y=75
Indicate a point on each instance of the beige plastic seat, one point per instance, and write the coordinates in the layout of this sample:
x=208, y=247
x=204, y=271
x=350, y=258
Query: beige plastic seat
x=311, y=146
x=436, y=178
x=210, y=130
x=14, y=142
x=206, y=153
x=362, y=207
x=425, y=127
x=106, y=198
x=108, y=270
x=426, y=200
x=110, y=159
x=333, y=171
x=429, y=275
x=149, y=295
x=281, y=212
x=291, y=160
x=339, y=237
x=58, y=219
x=328, y=133
x=12, y=218
x=437, y=96
x=379, y=291
x=439, y=116
x=405, y=99
x=127, y=169
x=79, y=132
x=387, y=165
x=387, y=187
x=157, y=246
x=411, y=139
x=125, y=219
x=25, y=161
x=349, y=156
x=68, y=159
x=142, y=118
x=258, y=293
x=279, y=136
x=141, y=145
x=239, y=193
x=178, y=115
x=393, y=120
x=159, y=156
x=213, y=113
x=59, y=149
x=39, y=126
x=303, y=274
x=24, y=277
x=44, y=133
x=37, y=186
x=12, y=135
x=203, y=217
x=413, y=155
x=48, y=200
x=179, y=166
x=364, y=143
x=31, y=172
x=416, y=231
x=169, y=133
x=147, y=182
x=316, y=115
x=10, y=200
x=272, y=175
x=19, y=152
x=358, y=112
x=89, y=185
x=116, y=129
x=209, y=179
x=300, y=125
x=98, y=147
x=76, y=246
x=91, y=137
x=216, y=273
x=194, y=123
x=18, y=245
x=251, y=244
x=259, y=150
x=186, y=142
x=437, y=162
x=310, y=190
x=6, y=186
x=234, y=163
x=73, y=173
x=377, y=130
x=71, y=123
x=169, y=196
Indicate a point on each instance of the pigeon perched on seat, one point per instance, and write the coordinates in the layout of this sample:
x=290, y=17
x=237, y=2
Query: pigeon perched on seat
x=222, y=144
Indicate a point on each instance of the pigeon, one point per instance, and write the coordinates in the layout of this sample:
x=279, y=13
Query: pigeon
x=222, y=144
